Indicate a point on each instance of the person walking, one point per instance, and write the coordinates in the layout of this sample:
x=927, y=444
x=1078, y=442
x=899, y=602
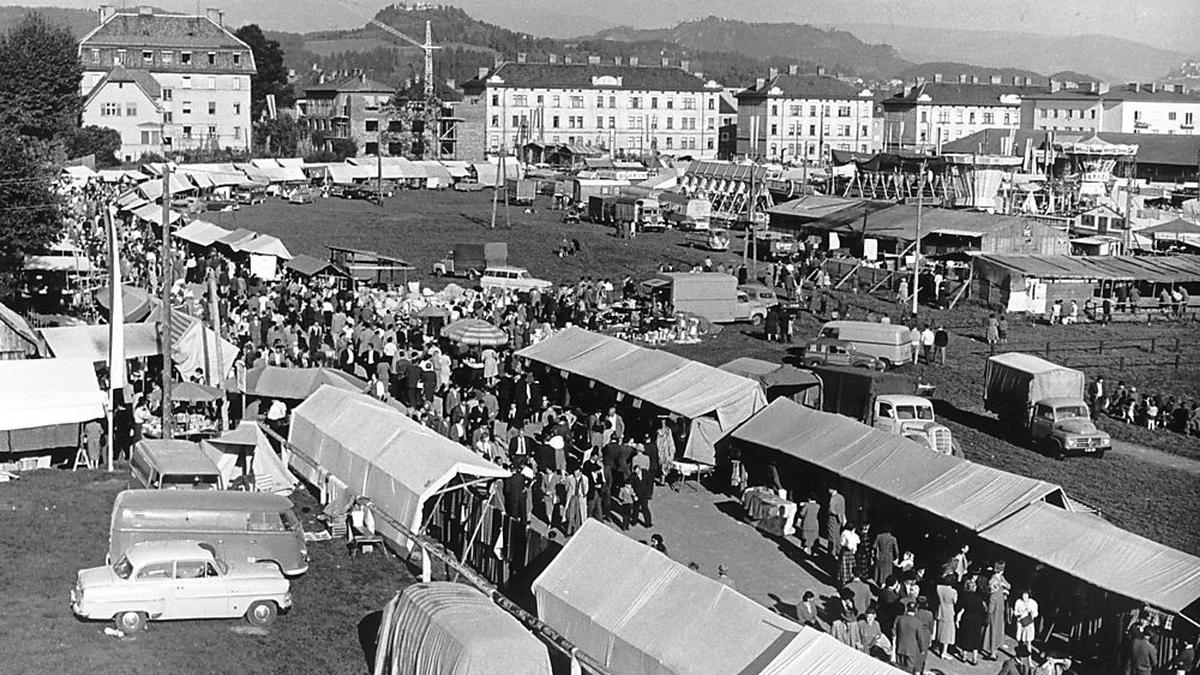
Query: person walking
x=911, y=641
x=972, y=613
x=947, y=616
x=928, y=338
x=941, y=340
x=1025, y=614
x=809, y=516
x=993, y=634
x=849, y=546
x=886, y=550
x=835, y=517
x=643, y=492
x=991, y=329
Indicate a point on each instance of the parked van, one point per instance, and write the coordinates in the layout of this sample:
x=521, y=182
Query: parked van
x=711, y=239
x=173, y=465
x=515, y=278
x=249, y=526
x=889, y=342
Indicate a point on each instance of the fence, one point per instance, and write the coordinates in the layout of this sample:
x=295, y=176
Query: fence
x=1103, y=352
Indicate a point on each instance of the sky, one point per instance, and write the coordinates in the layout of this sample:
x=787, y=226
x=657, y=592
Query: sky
x=1169, y=24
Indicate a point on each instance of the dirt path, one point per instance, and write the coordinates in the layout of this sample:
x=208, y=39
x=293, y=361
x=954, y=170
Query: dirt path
x=1156, y=456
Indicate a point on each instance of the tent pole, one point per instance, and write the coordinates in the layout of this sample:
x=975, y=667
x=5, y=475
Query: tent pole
x=165, y=319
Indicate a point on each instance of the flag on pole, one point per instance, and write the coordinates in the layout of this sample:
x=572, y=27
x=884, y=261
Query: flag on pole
x=116, y=319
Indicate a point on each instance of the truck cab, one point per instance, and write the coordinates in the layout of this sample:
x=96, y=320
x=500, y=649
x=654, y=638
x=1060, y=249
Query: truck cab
x=912, y=417
x=1065, y=426
x=749, y=309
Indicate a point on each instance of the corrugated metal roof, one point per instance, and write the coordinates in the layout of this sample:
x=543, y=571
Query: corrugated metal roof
x=1155, y=269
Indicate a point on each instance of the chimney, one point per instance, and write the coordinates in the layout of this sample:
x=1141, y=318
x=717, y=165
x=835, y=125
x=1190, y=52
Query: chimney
x=821, y=71
x=633, y=61
x=1016, y=80
x=593, y=60
x=974, y=79
x=567, y=60
x=215, y=15
x=145, y=10
x=522, y=57
x=920, y=80
x=552, y=58
x=665, y=62
x=759, y=83
x=1055, y=86
x=962, y=78
x=451, y=83
x=1132, y=86
x=1101, y=87
x=483, y=72
x=106, y=12
x=794, y=69
x=937, y=77
x=1150, y=87
x=616, y=60
x=685, y=65
x=1093, y=87
x=772, y=73
x=994, y=79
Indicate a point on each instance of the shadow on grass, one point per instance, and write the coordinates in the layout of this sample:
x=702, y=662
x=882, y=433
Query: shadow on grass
x=368, y=636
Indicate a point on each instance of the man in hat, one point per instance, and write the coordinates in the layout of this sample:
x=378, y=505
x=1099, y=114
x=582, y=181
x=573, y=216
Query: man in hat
x=723, y=576
x=911, y=639
x=1019, y=661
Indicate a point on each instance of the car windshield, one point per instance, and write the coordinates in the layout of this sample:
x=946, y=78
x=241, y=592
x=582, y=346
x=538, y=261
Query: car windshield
x=1071, y=411
x=123, y=568
x=914, y=412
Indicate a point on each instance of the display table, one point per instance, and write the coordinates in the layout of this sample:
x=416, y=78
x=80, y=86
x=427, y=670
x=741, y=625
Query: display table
x=769, y=511
x=693, y=470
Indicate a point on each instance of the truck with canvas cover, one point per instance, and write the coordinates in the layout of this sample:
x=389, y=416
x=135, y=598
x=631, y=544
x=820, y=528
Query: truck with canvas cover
x=685, y=214
x=887, y=401
x=521, y=191
x=643, y=212
x=470, y=260
x=444, y=628
x=712, y=295
x=1043, y=400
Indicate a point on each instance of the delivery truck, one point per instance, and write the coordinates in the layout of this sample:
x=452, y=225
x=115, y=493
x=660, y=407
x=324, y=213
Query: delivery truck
x=470, y=260
x=712, y=295
x=887, y=401
x=643, y=212
x=521, y=191
x=685, y=214
x=1042, y=402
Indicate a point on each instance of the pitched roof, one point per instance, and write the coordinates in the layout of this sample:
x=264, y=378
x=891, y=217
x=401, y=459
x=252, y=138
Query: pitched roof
x=953, y=93
x=803, y=86
x=1167, y=149
x=121, y=75
x=162, y=30
x=1129, y=93
x=583, y=76
x=353, y=83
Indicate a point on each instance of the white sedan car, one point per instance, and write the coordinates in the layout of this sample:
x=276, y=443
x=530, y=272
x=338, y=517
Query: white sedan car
x=163, y=580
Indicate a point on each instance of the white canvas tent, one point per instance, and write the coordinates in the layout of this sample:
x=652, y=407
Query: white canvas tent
x=248, y=443
x=45, y=392
x=637, y=611
x=715, y=401
x=378, y=452
x=91, y=342
x=201, y=233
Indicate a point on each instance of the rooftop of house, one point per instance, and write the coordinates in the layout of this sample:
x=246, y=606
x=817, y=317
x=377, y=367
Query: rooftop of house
x=1132, y=92
x=787, y=85
x=156, y=29
x=589, y=76
x=354, y=83
x=954, y=93
x=122, y=75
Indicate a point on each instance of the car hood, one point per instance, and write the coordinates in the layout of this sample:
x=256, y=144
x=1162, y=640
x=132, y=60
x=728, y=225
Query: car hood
x=1076, y=425
x=97, y=576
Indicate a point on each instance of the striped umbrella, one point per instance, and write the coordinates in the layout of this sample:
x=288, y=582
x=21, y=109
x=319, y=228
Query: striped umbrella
x=475, y=332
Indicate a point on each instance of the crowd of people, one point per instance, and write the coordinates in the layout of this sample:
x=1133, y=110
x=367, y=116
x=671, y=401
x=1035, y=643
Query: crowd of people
x=1126, y=404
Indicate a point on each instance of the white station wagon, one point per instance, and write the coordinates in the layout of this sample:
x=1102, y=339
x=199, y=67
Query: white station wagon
x=163, y=580
x=515, y=278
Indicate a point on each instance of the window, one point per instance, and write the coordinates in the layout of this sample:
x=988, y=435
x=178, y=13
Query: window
x=167, y=93
x=1187, y=119
x=147, y=56
x=496, y=99
x=95, y=56
x=516, y=121
x=185, y=58
x=670, y=123
x=612, y=101
x=599, y=101
x=495, y=120
x=237, y=83
x=843, y=111
x=186, y=82
x=943, y=117
x=1171, y=116
x=599, y=122
x=710, y=144
x=212, y=83
x=1093, y=115
x=168, y=117
x=120, y=57
x=166, y=57
x=1007, y=119
x=372, y=125
x=971, y=117
x=212, y=132
x=149, y=137
x=669, y=139
x=670, y=104
x=924, y=116
x=237, y=59
x=774, y=109
x=812, y=111
x=1044, y=112
x=212, y=107
x=635, y=101
x=540, y=99
x=654, y=102
x=844, y=130
x=612, y=122
x=186, y=109
x=774, y=129
x=576, y=101
x=554, y=122
x=237, y=108
x=520, y=100
x=794, y=111
x=1137, y=115
x=989, y=118
x=131, y=110
x=212, y=58
x=556, y=101
x=709, y=125
x=110, y=110
x=153, y=571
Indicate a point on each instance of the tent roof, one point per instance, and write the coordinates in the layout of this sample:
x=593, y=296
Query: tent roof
x=201, y=233
x=637, y=611
x=1099, y=553
x=771, y=374
x=43, y=392
x=1155, y=269
x=445, y=627
x=381, y=453
x=1177, y=226
x=297, y=383
x=17, y=324
x=90, y=343
x=673, y=383
x=138, y=302
x=237, y=237
x=264, y=244
x=970, y=495
x=311, y=266
x=153, y=213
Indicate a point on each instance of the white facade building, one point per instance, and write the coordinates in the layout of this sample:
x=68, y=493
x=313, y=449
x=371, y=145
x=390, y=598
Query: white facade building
x=797, y=118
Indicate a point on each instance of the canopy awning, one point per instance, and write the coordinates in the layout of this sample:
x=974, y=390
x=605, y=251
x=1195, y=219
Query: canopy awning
x=153, y=214
x=45, y=392
x=297, y=383
x=970, y=495
x=264, y=244
x=1095, y=551
x=201, y=233
x=248, y=440
x=310, y=266
x=90, y=343
x=380, y=453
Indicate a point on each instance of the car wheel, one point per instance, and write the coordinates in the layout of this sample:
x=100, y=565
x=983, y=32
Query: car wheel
x=885, y=364
x=812, y=363
x=262, y=613
x=756, y=320
x=130, y=622
x=1100, y=454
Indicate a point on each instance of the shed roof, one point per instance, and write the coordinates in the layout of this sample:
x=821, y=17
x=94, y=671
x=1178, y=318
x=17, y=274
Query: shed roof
x=1155, y=269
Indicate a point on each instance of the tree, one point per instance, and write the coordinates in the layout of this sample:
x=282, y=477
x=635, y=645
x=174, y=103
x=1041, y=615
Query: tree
x=279, y=137
x=272, y=76
x=102, y=142
x=30, y=215
x=39, y=79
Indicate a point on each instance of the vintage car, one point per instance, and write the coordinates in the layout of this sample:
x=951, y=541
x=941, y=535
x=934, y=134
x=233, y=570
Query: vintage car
x=832, y=352
x=178, y=579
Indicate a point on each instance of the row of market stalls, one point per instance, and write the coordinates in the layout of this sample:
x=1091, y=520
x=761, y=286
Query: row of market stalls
x=1020, y=518
x=266, y=254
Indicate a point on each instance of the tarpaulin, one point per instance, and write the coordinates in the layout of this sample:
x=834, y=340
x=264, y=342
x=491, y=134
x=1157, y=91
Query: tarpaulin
x=91, y=342
x=201, y=233
x=444, y=628
x=297, y=383
x=270, y=472
x=44, y=392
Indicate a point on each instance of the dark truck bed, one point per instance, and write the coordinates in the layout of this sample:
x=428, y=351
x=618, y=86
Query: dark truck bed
x=850, y=391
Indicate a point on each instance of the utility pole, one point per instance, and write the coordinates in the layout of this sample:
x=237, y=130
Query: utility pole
x=214, y=312
x=165, y=323
x=1129, y=178
x=917, y=244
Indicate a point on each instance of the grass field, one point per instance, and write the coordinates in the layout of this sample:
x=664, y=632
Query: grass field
x=1150, y=498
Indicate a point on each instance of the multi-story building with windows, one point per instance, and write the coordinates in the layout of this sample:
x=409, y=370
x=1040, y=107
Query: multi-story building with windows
x=195, y=72
x=796, y=118
x=355, y=108
x=1132, y=109
x=623, y=108
x=927, y=114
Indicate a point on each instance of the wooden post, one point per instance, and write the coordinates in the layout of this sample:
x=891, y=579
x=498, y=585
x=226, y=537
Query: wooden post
x=1100, y=348
x=165, y=318
x=426, y=566
x=1153, y=344
x=1176, y=360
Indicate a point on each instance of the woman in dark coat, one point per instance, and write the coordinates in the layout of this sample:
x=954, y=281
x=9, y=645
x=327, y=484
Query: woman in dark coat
x=972, y=618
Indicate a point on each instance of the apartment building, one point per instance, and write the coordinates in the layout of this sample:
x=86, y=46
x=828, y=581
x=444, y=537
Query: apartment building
x=925, y=115
x=1131, y=109
x=351, y=107
x=797, y=118
x=621, y=107
x=184, y=79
